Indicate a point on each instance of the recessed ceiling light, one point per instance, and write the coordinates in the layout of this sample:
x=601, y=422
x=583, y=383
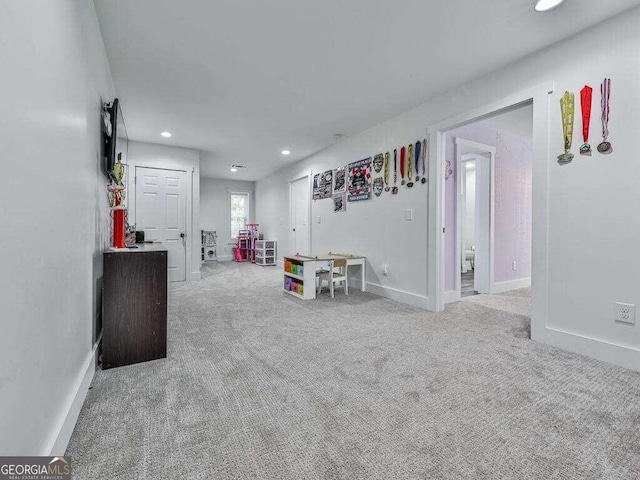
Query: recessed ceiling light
x=286, y=152
x=165, y=134
x=544, y=5
x=234, y=169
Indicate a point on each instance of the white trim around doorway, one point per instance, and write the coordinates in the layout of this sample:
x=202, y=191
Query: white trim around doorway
x=480, y=149
x=539, y=95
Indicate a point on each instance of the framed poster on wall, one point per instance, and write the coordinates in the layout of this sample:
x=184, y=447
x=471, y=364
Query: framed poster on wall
x=340, y=180
x=322, y=185
x=359, y=180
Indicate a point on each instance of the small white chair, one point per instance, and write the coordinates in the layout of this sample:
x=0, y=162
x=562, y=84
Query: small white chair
x=337, y=273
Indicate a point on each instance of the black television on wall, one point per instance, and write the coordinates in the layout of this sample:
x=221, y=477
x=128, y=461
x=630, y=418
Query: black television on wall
x=114, y=136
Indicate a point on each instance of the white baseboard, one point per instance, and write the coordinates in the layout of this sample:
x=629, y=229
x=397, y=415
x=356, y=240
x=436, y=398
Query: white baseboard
x=195, y=275
x=59, y=439
x=592, y=347
x=225, y=258
x=451, y=296
x=413, y=299
x=501, y=287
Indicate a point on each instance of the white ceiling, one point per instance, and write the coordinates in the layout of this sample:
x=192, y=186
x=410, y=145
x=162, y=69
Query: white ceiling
x=242, y=80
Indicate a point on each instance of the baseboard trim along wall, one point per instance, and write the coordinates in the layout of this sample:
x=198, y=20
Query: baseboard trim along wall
x=413, y=299
x=57, y=445
x=195, y=275
x=451, y=296
x=501, y=287
x=592, y=347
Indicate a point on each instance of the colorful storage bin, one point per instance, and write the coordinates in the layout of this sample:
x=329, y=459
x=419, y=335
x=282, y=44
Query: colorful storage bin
x=294, y=268
x=287, y=283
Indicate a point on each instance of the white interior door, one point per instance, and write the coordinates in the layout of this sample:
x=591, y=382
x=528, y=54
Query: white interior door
x=161, y=211
x=300, y=197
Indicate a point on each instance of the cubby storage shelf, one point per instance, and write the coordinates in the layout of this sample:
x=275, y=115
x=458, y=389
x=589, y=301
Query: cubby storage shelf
x=293, y=275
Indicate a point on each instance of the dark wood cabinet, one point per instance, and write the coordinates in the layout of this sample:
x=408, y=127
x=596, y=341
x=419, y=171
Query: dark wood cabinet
x=134, y=305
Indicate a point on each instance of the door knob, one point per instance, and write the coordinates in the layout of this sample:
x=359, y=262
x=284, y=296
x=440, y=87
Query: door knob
x=182, y=235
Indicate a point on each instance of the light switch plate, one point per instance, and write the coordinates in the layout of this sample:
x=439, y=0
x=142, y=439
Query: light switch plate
x=408, y=214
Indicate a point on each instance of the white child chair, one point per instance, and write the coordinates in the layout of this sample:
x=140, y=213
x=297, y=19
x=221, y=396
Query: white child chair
x=337, y=273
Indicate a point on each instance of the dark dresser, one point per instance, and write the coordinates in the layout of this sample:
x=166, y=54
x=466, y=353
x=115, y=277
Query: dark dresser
x=134, y=305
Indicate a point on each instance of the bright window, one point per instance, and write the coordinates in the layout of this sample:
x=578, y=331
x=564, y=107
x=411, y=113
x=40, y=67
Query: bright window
x=239, y=212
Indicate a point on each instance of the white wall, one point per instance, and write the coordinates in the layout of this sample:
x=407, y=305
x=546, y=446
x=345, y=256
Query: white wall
x=375, y=228
x=215, y=210
x=592, y=202
x=55, y=217
x=171, y=158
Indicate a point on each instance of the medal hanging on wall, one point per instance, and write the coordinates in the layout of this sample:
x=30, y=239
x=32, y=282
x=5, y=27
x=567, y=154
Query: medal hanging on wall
x=585, y=105
x=386, y=172
x=410, y=166
x=605, y=91
x=418, y=147
x=425, y=163
x=567, y=106
x=403, y=152
x=394, y=191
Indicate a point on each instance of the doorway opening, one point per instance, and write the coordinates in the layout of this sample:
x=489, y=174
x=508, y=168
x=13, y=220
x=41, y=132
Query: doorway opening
x=475, y=164
x=488, y=209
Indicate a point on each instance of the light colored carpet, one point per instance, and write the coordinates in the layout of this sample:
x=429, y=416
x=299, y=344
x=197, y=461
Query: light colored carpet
x=517, y=302
x=260, y=385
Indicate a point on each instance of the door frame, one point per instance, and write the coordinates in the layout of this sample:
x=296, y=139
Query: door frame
x=308, y=176
x=479, y=149
x=185, y=240
x=540, y=96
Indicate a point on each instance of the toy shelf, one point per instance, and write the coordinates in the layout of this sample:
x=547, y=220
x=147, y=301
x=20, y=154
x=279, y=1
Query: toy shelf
x=299, y=278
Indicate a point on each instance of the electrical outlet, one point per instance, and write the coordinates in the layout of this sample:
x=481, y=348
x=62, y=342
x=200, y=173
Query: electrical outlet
x=385, y=270
x=625, y=313
x=514, y=265
x=319, y=219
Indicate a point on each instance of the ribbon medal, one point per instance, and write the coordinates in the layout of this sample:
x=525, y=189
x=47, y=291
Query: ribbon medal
x=394, y=191
x=403, y=152
x=425, y=163
x=386, y=172
x=585, y=104
x=605, y=92
x=410, y=166
x=567, y=105
x=418, y=147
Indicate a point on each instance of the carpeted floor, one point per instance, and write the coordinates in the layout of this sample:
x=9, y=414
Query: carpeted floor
x=260, y=385
x=517, y=302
